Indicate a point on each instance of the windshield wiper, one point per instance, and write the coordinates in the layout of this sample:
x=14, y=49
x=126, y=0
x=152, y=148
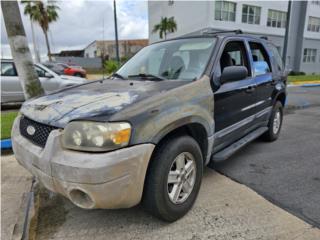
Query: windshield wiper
x=117, y=75
x=147, y=76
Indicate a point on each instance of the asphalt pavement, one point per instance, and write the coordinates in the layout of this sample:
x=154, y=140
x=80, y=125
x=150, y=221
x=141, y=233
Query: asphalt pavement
x=287, y=171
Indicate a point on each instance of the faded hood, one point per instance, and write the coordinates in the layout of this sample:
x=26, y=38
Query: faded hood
x=97, y=98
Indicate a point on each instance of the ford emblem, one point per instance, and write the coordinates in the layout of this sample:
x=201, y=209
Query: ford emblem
x=31, y=130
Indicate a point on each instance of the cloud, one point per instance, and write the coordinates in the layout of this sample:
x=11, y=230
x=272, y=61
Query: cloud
x=81, y=22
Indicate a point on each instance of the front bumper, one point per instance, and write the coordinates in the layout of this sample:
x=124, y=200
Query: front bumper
x=90, y=180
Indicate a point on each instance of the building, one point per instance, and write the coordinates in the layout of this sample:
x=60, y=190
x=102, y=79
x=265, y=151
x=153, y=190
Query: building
x=107, y=49
x=69, y=53
x=267, y=18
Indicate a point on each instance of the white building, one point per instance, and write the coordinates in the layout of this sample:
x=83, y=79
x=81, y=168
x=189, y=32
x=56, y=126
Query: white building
x=266, y=18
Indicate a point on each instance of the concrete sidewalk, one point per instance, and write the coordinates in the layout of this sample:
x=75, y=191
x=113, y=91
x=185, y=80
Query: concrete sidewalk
x=15, y=180
x=224, y=210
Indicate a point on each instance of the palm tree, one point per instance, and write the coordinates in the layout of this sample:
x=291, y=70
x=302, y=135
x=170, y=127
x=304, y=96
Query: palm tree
x=43, y=14
x=166, y=25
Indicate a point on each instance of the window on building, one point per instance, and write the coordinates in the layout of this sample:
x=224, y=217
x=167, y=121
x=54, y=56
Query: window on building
x=309, y=55
x=251, y=14
x=277, y=19
x=314, y=24
x=225, y=11
x=170, y=2
x=317, y=2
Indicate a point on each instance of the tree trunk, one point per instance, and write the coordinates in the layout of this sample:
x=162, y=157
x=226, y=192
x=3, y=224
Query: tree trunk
x=20, y=50
x=48, y=44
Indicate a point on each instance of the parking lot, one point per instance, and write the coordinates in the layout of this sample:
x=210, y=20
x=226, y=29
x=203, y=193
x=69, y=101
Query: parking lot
x=265, y=191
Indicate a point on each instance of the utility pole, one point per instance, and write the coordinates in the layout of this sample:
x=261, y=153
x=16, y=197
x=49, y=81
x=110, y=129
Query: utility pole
x=35, y=47
x=286, y=36
x=116, y=30
x=20, y=50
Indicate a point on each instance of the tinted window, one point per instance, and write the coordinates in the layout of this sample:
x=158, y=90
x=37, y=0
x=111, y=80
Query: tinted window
x=261, y=61
x=8, y=69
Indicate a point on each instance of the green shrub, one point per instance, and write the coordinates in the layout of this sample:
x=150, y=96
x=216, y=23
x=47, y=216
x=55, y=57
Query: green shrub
x=111, y=66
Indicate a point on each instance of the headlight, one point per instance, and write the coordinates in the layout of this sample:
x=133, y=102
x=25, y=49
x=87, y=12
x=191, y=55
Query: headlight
x=96, y=136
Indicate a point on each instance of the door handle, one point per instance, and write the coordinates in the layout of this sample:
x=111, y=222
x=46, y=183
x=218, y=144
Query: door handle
x=250, y=89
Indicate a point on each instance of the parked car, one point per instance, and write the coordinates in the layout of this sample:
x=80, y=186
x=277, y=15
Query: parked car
x=11, y=89
x=66, y=69
x=145, y=134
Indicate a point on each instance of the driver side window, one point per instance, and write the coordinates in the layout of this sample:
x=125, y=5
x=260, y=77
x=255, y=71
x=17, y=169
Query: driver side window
x=234, y=54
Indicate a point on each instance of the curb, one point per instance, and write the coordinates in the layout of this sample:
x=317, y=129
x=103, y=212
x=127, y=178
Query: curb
x=6, y=143
x=311, y=85
x=316, y=84
x=28, y=215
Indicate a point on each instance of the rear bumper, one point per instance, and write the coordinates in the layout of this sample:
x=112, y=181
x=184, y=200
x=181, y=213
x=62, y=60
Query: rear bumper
x=90, y=180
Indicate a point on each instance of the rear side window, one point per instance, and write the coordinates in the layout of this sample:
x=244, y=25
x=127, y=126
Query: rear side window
x=277, y=57
x=8, y=69
x=261, y=61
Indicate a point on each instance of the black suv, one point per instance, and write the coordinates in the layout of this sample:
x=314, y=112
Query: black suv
x=146, y=133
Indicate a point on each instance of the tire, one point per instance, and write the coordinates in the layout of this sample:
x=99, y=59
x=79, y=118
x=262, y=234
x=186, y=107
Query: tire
x=275, y=123
x=78, y=75
x=157, y=198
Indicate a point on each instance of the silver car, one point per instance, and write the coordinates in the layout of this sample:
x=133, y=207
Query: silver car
x=11, y=89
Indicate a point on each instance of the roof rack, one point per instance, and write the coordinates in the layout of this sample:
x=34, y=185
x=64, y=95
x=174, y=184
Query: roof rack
x=264, y=37
x=210, y=31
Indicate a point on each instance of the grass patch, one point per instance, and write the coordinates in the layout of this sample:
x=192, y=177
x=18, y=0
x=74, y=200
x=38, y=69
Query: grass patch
x=6, y=122
x=304, y=78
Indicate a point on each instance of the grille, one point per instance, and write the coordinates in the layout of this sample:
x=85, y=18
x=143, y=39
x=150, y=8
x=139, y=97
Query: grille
x=41, y=133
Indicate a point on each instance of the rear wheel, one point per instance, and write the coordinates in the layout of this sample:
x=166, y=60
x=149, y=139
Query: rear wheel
x=174, y=178
x=275, y=123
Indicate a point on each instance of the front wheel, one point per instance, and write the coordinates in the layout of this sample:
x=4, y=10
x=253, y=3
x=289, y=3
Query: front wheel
x=275, y=123
x=174, y=178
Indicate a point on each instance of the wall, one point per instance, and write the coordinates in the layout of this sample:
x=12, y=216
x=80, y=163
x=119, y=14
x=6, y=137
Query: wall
x=89, y=51
x=80, y=61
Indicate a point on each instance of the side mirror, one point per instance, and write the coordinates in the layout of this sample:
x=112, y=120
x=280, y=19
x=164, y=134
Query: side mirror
x=233, y=73
x=48, y=75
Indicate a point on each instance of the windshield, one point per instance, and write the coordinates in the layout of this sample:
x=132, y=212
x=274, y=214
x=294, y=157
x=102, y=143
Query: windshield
x=184, y=59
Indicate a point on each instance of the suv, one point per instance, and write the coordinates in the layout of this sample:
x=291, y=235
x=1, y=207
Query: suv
x=146, y=133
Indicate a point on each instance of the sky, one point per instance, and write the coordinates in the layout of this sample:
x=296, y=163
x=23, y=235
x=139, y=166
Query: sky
x=81, y=22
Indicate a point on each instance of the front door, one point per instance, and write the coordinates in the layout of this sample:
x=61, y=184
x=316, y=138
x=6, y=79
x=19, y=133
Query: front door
x=234, y=101
x=11, y=89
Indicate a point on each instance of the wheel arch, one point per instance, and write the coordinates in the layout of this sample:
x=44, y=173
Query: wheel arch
x=195, y=129
x=282, y=97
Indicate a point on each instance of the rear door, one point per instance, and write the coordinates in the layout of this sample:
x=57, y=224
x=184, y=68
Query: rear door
x=234, y=101
x=11, y=89
x=264, y=78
